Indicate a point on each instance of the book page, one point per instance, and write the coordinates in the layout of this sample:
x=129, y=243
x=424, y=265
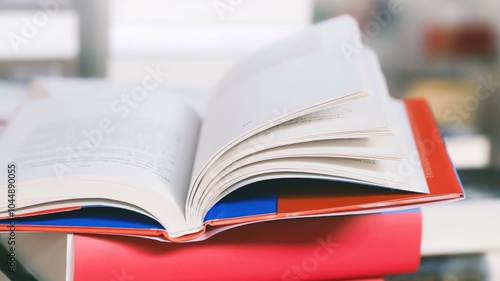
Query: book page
x=397, y=117
x=359, y=118
x=150, y=144
x=371, y=172
x=292, y=76
x=356, y=148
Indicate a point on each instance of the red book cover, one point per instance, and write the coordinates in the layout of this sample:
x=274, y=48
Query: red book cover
x=325, y=248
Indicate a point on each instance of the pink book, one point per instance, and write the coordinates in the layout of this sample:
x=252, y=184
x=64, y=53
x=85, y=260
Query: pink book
x=327, y=248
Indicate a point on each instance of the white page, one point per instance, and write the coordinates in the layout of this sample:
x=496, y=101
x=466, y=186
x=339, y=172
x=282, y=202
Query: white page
x=362, y=148
x=375, y=148
x=399, y=123
x=354, y=119
x=407, y=174
x=150, y=145
x=296, y=74
x=368, y=171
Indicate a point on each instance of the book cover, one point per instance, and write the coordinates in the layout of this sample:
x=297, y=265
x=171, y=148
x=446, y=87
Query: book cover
x=329, y=248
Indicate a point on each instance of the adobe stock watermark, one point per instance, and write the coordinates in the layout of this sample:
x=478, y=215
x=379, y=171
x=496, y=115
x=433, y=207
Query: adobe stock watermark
x=417, y=159
x=221, y=7
x=302, y=270
x=122, y=107
x=32, y=26
x=381, y=19
x=463, y=110
x=455, y=115
x=407, y=167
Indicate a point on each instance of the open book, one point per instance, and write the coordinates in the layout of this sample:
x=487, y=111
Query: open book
x=305, y=127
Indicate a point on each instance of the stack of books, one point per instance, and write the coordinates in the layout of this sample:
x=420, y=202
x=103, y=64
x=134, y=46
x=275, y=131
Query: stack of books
x=300, y=167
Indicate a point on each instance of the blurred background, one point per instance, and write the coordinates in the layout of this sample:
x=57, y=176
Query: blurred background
x=444, y=50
